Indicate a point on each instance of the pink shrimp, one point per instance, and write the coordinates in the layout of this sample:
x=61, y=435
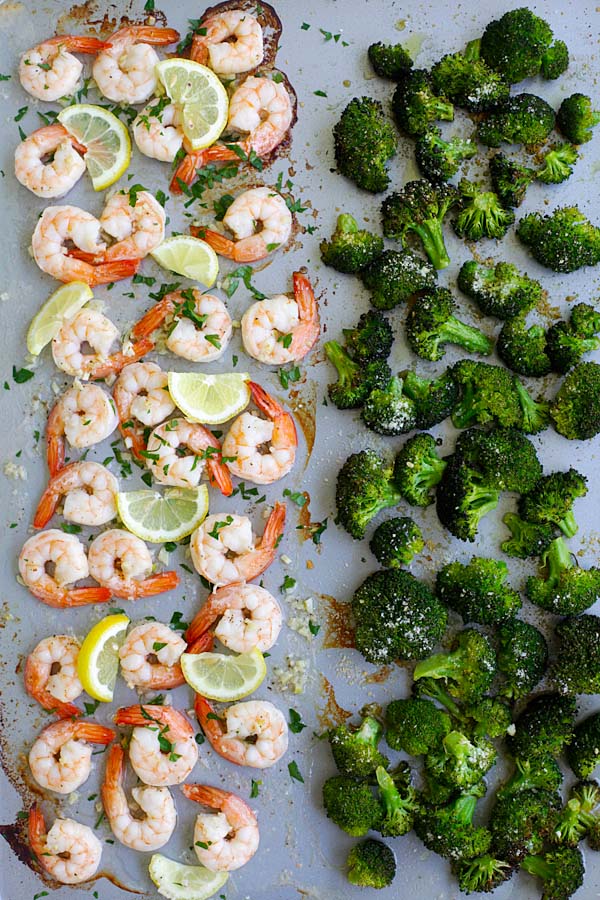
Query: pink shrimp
x=227, y=839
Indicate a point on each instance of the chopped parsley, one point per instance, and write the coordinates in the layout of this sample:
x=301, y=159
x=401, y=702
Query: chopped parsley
x=295, y=772
x=296, y=723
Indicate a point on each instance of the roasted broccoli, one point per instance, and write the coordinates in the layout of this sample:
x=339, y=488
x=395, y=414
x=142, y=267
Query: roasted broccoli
x=536, y=413
x=522, y=658
x=481, y=214
x=350, y=248
x=551, y=503
x=555, y=61
x=356, y=380
x=563, y=241
x=364, y=162
x=420, y=207
x=351, y=805
x=488, y=395
x=415, y=104
x=396, y=541
x=558, y=164
x=372, y=338
x=505, y=457
x=468, y=81
x=463, y=498
x=437, y=159
x=371, y=864
x=355, y=749
x=449, y=830
x=399, y=801
x=415, y=725
x=390, y=60
x=477, y=590
x=577, y=665
x=520, y=822
x=418, y=469
x=575, y=410
x=539, y=772
x=520, y=45
x=510, y=179
x=526, y=538
x=397, y=275
x=467, y=670
x=576, y=118
x=568, y=341
x=560, y=870
x=522, y=119
x=524, y=349
x=365, y=486
x=434, y=400
x=576, y=818
x=397, y=617
x=484, y=873
x=499, y=290
x=431, y=323
x=583, y=753
x=544, y=727
x=459, y=761
x=565, y=589
x=388, y=411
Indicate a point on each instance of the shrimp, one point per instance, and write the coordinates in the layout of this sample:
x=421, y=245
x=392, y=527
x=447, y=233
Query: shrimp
x=61, y=757
x=214, y=46
x=148, y=832
x=125, y=71
x=51, y=675
x=253, y=733
x=141, y=394
x=150, y=657
x=162, y=750
x=258, y=206
x=90, y=328
x=137, y=229
x=157, y=130
x=178, y=451
x=249, y=435
x=70, y=852
x=59, y=224
x=279, y=330
x=49, y=71
x=120, y=561
x=85, y=415
x=201, y=329
x=49, y=162
x=65, y=554
x=225, y=840
x=250, y=617
x=224, y=549
x=89, y=491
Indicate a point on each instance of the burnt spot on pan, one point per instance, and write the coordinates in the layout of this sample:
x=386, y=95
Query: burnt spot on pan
x=331, y=713
x=267, y=18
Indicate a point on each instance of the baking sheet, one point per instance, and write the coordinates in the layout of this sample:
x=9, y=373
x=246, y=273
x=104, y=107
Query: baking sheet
x=301, y=853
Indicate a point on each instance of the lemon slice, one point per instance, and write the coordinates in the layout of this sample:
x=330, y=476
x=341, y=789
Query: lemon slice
x=188, y=256
x=106, y=138
x=201, y=96
x=219, y=676
x=176, y=881
x=164, y=517
x=98, y=660
x=58, y=308
x=209, y=399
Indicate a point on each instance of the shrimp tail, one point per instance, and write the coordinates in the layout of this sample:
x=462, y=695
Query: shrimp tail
x=265, y=402
x=113, y=774
x=304, y=297
x=220, y=244
x=134, y=441
x=94, y=733
x=209, y=721
x=118, y=361
x=85, y=44
x=45, y=698
x=134, y=715
x=55, y=442
x=198, y=627
x=148, y=34
x=199, y=50
x=116, y=270
x=141, y=716
x=47, y=505
x=185, y=172
x=156, y=584
x=203, y=644
x=219, y=476
x=37, y=830
x=153, y=319
x=274, y=528
x=84, y=596
x=212, y=797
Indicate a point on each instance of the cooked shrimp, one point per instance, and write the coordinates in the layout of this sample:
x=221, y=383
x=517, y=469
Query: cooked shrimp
x=225, y=840
x=121, y=562
x=85, y=415
x=178, y=451
x=59, y=224
x=89, y=491
x=157, y=130
x=49, y=71
x=51, y=675
x=201, y=326
x=231, y=42
x=125, y=71
x=253, y=733
x=90, y=328
x=249, y=617
x=258, y=206
x=137, y=229
x=65, y=555
x=261, y=450
x=149, y=657
x=280, y=330
x=149, y=831
x=61, y=757
x=224, y=549
x=70, y=852
x=162, y=750
x=141, y=394
x=49, y=162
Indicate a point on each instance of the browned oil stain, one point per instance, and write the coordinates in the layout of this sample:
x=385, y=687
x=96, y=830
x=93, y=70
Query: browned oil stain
x=380, y=676
x=303, y=403
x=332, y=713
x=114, y=880
x=15, y=836
x=339, y=633
x=306, y=528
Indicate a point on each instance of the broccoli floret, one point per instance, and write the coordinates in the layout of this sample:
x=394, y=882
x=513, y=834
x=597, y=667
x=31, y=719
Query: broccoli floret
x=483, y=874
x=488, y=394
x=481, y=214
x=468, y=81
x=371, y=864
x=523, y=349
x=449, y=830
x=350, y=249
x=526, y=538
x=555, y=61
x=397, y=617
x=576, y=818
x=351, y=805
x=558, y=164
x=576, y=118
x=583, y=753
x=520, y=822
x=506, y=458
x=390, y=60
x=489, y=717
x=568, y=341
x=477, y=590
x=355, y=750
x=566, y=589
x=523, y=119
x=431, y=324
x=516, y=45
x=499, y=290
x=575, y=410
x=399, y=801
x=510, y=179
x=577, y=665
x=364, y=487
x=563, y=241
x=467, y=671
x=397, y=275
x=420, y=207
x=434, y=399
x=522, y=658
x=356, y=380
x=364, y=162
x=396, y=541
x=415, y=104
x=415, y=725
x=459, y=761
x=551, y=503
x=418, y=469
x=535, y=413
x=387, y=411
x=540, y=772
x=560, y=870
x=372, y=338
x=463, y=498
x=437, y=159
x=544, y=727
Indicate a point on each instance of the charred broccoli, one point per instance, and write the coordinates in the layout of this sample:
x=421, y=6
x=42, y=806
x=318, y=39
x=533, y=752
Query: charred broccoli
x=418, y=469
x=396, y=541
x=558, y=164
x=551, y=502
x=520, y=45
x=364, y=162
x=561, y=871
x=583, y=753
x=437, y=159
x=365, y=486
x=477, y=590
x=576, y=118
x=522, y=657
x=390, y=60
x=568, y=341
x=577, y=665
x=355, y=749
x=510, y=179
x=415, y=725
x=431, y=323
x=530, y=774
x=356, y=380
x=468, y=81
x=350, y=248
x=499, y=290
x=434, y=400
x=544, y=727
x=449, y=830
x=505, y=457
x=481, y=214
x=397, y=275
x=420, y=207
x=415, y=104
x=566, y=590
x=371, y=864
x=520, y=822
x=522, y=119
x=563, y=241
x=463, y=498
x=524, y=349
x=467, y=671
x=372, y=338
x=575, y=410
x=526, y=538
x=387, y=411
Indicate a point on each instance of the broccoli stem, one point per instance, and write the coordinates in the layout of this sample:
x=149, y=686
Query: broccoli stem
x=558, y=560
x=430, y=232
x=535, y=415
x=443, y=110
x=346, y=224
x=440, y=665
x=454, y=331
x=336, y=354
x=463, y=808
x=538, y=866
x=432, y=689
